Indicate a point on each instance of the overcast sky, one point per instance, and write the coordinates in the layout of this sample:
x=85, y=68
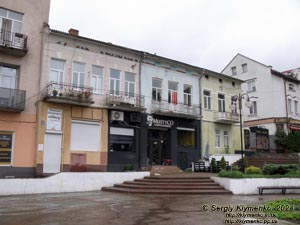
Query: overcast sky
x=205, y=33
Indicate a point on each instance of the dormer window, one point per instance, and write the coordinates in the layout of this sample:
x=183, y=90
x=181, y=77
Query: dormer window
x=291, y=87
x=233, y=71
x=244, y=68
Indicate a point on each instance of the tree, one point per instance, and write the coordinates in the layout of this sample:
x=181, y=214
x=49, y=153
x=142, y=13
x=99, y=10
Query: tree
x=281, y=139
x=293, y=142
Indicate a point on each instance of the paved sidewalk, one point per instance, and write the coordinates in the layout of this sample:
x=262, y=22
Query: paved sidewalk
x=92, y=208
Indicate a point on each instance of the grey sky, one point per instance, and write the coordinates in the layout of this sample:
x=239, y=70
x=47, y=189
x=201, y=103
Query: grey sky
x=205, y=33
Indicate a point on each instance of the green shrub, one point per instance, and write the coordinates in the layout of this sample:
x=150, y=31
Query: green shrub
x=253, y=170
x=213, y=164
x=288, y=209
x=223, y=163
x=271, y=169
x=230, y=174
x=128, y=167
x=293, y=142
x=235, y=168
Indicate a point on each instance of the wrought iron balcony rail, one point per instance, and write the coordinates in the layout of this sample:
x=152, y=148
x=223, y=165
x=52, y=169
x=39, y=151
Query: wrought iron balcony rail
x=230, y=117
x=13, y=40
x=65, y=92
x=124, y=99
x=12, y=99
x=177, y=108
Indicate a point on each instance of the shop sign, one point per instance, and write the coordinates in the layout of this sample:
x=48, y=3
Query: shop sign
x=154, y=122
x=293, y=121
x=5, y=140
x=54, y=119
x=280, y=120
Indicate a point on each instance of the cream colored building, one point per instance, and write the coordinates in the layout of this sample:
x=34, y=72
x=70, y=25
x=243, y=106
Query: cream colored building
x=220, y=115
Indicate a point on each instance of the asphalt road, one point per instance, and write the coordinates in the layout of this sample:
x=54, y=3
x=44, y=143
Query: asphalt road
x=92, y=208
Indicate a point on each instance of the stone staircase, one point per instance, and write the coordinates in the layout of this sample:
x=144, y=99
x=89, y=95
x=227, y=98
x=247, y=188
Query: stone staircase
x=173, y=185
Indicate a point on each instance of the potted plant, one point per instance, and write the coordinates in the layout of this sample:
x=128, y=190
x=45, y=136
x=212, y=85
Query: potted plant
x=87, y=93
x=54, y=92
x=79, y=95
x=60, y=94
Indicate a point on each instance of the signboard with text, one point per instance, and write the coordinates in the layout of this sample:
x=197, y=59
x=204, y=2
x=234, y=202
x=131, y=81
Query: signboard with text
x=54, y=119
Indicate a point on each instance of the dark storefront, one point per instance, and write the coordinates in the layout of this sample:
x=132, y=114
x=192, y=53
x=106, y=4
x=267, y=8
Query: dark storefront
x=123, y=140
x=169, y=140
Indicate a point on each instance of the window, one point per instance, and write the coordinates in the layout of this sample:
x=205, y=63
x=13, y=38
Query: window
x=172, y=93
x=290, y=109
x=6, y=148
x=97, y=79
x=291, y=87
x=221, y=102
x=218, y=138
x=156, y=89
x=10, y=23
x=57, y=68
x=233, y=70
x=129, y=84
x=187, y=95
x=186, y=138
x=207, y=99
x=244, y=68
x=206, y=77
x=220, y=81
x=85, y=136
x=78, y=74
x=296, y=107
x=121, y=139
x=233, y=105
x=226, y=138
x=251, y=85
x=114, y=82
x=8, y=77
x=253, y=108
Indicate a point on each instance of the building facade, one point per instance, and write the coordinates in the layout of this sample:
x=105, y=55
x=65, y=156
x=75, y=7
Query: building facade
x=170, y=129
x=90, y=93
x=220, y=114
x=21, y=23
x=274, y=101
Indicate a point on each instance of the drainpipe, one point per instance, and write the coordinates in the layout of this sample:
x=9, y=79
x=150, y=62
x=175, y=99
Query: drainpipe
x=200, y=105
x=286, y=107
x=140, y=102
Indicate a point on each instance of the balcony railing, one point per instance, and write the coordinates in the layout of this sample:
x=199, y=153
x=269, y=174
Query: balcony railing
x=13, y=43
x=68, y=93
x=226, y=117
x=179, y=109
x=12, y=99
x=125, y=100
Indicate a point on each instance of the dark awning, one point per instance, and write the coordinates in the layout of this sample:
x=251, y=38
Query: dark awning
x=294, y=127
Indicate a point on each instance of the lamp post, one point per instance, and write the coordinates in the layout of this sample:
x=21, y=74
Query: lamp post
x=240, y=98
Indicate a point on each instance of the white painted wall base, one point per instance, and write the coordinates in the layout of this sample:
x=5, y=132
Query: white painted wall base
x=66, y=182
x=231, y=158
x=249, y=186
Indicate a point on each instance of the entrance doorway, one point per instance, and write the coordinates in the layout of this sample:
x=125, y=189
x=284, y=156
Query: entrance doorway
x=158, y=147
x=52, y=153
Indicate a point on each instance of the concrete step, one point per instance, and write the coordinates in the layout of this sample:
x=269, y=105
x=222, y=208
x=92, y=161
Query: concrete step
x=169, y=177
x=173, y=180
x=168, y=192
x=209, y=183
x=170, y=187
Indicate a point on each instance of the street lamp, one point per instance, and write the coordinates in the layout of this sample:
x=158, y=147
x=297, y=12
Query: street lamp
x=248, y=104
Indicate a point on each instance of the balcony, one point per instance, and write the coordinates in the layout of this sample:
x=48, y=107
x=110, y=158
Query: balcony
x=13, y=43
x=226, y=117
x=125, y=101
x=178, y=110
x=68, y=94
x=12, y=100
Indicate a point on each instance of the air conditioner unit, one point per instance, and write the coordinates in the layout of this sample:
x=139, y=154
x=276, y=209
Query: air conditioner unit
x=117, y=116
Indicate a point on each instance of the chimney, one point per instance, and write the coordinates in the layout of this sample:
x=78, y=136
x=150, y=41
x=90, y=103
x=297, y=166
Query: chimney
x=74, y=32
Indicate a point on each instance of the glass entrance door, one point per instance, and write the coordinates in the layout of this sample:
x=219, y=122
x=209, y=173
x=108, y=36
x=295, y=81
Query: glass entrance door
x=158, y=150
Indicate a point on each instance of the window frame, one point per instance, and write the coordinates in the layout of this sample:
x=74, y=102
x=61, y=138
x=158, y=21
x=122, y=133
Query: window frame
x=296, y=107
x=244, y=68
x=98, y=77
x=116, y=83
x=251, y=85
x=290, y=107
x=128, y=83
x=157, y=90
x=79, y=73
x=217, y=138
x=172, y=93
x=60, y=73
x=233, y=71
x=207, y=100
x=253, y=108
x=187, y=97
x=15, y=77
x=221, y=103
x=226, y=138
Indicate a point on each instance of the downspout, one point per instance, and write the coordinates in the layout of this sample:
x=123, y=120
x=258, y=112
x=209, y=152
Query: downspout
x=200, y=105
x=140, y=102
x=286, y=107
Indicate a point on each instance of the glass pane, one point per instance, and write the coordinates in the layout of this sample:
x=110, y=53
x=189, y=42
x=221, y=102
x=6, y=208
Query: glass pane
x=75, y=79
x=17, y=28
x=130, y=77
x=207, y=93
x=187, y=89
x=115, y=73
x=8, y=71
x=159, y=95
x=93, y=83
x=53, y=76
x=154, y=94
x=112, y=88
x=97, y=70
x=100, y=79
x=172, y=85
x=126, y=88
x=156, y=83
x=57, y=64
x=117, y=87
x=61, y=77
x=81, y=82
x=15, y=15
x=186, y=139
x=131, y=89
x=78, y=67
x=3, y=12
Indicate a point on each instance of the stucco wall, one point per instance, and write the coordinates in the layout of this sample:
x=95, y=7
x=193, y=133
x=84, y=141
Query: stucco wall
x=249, y=186
x=66, y=182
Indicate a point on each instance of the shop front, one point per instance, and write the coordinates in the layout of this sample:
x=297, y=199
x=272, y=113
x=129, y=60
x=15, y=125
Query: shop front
x=169, y=141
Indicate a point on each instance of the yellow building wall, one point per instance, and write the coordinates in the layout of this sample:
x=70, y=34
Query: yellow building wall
x=69, y=113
